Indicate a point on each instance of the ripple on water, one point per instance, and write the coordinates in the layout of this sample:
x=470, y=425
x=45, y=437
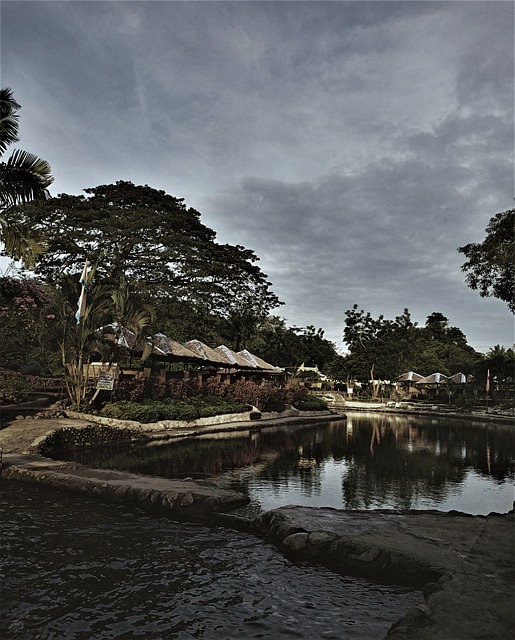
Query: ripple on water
x=77, y=569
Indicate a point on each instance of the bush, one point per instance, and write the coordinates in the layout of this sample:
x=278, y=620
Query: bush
x=264, y=398
x=310, y=403
x=156, y=389
x=170, y=409
x=126, y=410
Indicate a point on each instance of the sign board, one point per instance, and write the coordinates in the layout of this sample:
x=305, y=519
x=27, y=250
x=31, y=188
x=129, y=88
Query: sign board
x=105, y=382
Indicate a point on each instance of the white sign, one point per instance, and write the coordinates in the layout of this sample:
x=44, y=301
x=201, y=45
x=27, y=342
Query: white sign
x=105, y=382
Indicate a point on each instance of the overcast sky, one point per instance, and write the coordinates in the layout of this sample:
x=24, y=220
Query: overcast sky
x=352, y=145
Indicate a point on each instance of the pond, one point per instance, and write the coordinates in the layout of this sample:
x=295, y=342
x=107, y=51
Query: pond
x=74, y=568
x=368, y=461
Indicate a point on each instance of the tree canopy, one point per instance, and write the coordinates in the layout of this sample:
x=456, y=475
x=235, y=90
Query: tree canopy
x=490, y=265
x=152, y=240
x=290, y=347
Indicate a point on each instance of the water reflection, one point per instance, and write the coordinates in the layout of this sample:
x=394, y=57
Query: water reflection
x=366, y=462
x=76, y=569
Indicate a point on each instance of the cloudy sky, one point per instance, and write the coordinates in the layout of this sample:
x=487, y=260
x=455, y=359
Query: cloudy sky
x=352, y=145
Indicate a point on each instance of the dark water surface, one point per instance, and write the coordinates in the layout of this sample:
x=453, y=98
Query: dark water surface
x=369, y=461
x=74, y=568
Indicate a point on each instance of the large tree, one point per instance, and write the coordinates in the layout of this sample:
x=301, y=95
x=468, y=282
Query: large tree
x=490, y=267
x=23, y=177
x=152, y=241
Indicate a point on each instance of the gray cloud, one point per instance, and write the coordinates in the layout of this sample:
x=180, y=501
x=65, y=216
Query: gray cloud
x=353, y=145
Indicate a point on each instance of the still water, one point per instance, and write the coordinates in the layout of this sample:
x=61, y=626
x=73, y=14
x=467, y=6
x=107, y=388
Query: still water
x=369, y=461
x=74, y=568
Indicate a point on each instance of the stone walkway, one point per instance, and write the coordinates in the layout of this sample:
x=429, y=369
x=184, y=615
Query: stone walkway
x=466, y=562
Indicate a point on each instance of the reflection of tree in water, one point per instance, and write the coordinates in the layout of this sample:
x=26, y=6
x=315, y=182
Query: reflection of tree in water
x=387, y=459
x=402, y=460
x=192, y=456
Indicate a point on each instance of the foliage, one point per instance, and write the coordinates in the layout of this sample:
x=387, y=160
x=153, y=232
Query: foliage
x=378, y=348
x=78, y=344
x=23, y=178
x=291, y=346
x=264, y=398
x=310, y=403
x=146, y=237
x=381, y=349
x=13, y=382
x=25, y=318
x=171, y=409
x=156, y=389
x=499, y=364
x=490, y=265
x=213, y=392
x=70, y=438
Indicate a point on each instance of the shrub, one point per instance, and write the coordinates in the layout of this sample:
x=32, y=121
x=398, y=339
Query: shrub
x=245, y=392
x=9, y=382
x=273, y=399
x=126, y=410
x=214, y=388
x=170, y=409
x=296, y=394
x=310, y=403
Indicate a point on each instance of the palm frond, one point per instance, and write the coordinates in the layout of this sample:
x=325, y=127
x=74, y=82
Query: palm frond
x=8, y=119
x=24, y=177
x=18, y=241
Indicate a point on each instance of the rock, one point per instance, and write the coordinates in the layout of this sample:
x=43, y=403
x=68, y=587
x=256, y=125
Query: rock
x=296, y=541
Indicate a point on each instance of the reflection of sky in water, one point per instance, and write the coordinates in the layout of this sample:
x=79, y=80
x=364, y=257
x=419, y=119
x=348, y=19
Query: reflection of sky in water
x=477, y=494
x=326, y=493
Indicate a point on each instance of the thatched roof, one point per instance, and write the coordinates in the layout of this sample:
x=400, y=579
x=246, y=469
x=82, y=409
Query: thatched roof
x=207, y=353
x=434, y=378
x=157, y=345
x=460, y=378
x=258, y=362
x=236, y=359
x=410, y=376
x=119, y=335
x=163, y=345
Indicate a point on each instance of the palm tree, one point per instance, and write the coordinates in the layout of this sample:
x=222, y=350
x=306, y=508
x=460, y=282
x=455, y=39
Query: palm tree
x=23, y=177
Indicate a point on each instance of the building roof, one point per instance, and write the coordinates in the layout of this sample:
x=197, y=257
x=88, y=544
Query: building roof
x=236, y=359
x=208, y=353
x=258, y=362
x=410, y=376
x=196, y=351
x=434, y=378
x=163, y=345
x=460, y=378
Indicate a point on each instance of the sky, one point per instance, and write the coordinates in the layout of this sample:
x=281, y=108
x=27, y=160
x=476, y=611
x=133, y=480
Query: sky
x=354, y=146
